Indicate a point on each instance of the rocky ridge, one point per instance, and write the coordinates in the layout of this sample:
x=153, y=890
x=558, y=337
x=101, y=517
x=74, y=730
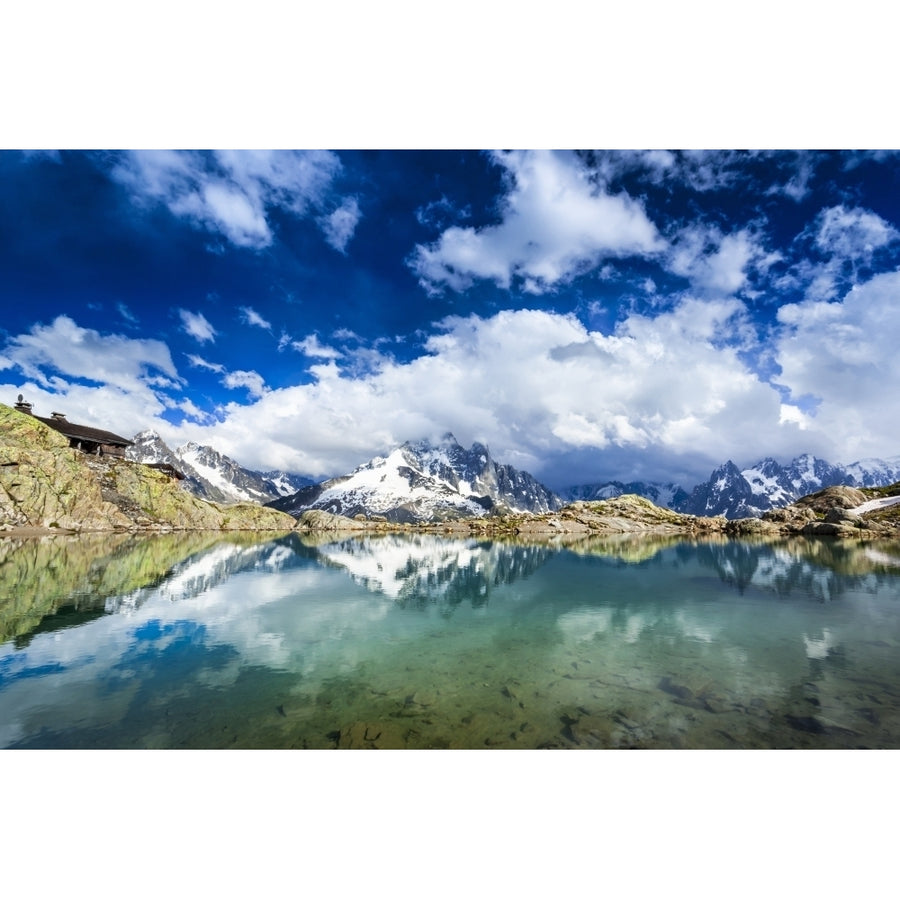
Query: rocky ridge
x=44, y=484
x=211, y=475
x=744, y=493
x=425, y=482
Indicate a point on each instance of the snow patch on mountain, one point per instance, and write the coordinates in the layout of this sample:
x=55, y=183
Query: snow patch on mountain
x=768, y=484
x=739, y=493
x=212, y=475
x=421, y=481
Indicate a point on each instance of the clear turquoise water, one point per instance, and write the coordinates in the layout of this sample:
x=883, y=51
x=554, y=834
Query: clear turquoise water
x=392, y=642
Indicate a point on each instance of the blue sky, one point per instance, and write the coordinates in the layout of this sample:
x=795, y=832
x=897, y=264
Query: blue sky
x=589, y=316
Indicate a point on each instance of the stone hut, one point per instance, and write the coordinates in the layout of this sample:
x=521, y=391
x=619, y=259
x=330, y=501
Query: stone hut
x=81, y=437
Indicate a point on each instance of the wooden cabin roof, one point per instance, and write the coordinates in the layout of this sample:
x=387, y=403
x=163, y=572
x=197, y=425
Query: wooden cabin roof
x=84, y=432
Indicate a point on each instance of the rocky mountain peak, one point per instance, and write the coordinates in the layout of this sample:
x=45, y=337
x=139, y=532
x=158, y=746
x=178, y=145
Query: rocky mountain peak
x=426, y=481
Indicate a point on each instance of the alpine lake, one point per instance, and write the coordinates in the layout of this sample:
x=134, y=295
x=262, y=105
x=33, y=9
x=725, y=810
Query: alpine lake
x=190, y=640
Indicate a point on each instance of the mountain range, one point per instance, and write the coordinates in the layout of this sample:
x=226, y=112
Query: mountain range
x=736, y=493
x=211, y=475
x=421, y=481
x=424, y=481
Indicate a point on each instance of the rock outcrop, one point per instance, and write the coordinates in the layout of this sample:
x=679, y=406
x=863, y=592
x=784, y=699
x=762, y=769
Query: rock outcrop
x=319, y=520
x=44, y=484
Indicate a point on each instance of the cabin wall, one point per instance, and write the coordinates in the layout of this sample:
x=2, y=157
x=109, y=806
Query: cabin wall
x=112, y=450
x=95, y=449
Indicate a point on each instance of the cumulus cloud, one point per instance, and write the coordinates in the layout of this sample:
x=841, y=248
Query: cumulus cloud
x=338, y=226
x=797, y=185
x=118, y=382
x=843, y=242
x=541, y=390
x=853, y=234
x=197, y=326
x=545, y=392
x=715, y=263
x=252, y=381
x=228, y=192
x=556, y=223
x=66, y=349
x=843, y=354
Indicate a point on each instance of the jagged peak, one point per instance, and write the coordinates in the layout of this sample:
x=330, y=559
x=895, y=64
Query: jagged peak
x=427, y=443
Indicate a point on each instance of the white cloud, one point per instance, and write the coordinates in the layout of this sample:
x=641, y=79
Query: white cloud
x=196, y=325
x=849, y=239
x=659, y=394
x=715, y=263
x=538, y=387
x=67, y=349
x=338, y=226
x=127, y=377
x=192, y=411
x=310, y=346
x=126, y=313
x=252, y=381
x=199, y=363
x=556, y=224
x=239, y=217
x=252, y=317
x=700, y=170
x=845, y=355
x=710, y=170
x=230, y=192
x=797, y=185
x=852, y=233
x=440, y=213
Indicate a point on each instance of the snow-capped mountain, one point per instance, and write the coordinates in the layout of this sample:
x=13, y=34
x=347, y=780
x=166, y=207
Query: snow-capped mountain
x=736, y=493
x=727, y=493
x=212, y=475
x=420, y=482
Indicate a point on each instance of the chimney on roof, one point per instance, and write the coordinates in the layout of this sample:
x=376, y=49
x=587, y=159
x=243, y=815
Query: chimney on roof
x=22, y=406
x=60, y=417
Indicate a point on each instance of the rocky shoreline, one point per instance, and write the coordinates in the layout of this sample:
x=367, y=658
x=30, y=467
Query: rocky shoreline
x=825, y=513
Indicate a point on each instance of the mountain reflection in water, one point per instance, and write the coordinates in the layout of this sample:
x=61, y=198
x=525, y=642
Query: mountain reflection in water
x=392, y=640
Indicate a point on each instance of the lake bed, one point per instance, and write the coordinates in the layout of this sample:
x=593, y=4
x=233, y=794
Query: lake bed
x=403, y=641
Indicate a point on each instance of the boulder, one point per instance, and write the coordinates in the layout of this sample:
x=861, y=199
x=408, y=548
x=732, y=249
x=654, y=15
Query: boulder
x=319, y=520
x=841, y=516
